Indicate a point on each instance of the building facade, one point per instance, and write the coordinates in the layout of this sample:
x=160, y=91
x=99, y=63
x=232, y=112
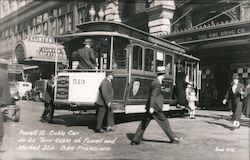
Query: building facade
x=216, y=31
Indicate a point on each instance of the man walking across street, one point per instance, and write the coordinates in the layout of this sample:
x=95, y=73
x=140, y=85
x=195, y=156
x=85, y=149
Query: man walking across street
x=103, y=104
x=154, y=109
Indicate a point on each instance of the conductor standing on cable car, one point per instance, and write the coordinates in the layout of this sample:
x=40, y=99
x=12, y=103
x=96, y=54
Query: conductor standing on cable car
x=154, y=110
x=86, y=56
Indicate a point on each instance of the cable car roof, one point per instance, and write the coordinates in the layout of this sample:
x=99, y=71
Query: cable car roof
x=111, y=28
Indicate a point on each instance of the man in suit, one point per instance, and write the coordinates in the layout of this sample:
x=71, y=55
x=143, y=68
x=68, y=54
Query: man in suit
x=154, y=109
x=86, y=56
x=48, y=98
x=5, y=97
x=234, y=97
x=103, y=104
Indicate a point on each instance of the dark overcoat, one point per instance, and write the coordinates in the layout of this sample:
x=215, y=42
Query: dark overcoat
x=86, y=57
x=235, y=100
x=155, y=99
x=180, y=88
x=105, y=93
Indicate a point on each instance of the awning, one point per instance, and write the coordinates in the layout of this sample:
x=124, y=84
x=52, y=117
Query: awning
x=39, y=51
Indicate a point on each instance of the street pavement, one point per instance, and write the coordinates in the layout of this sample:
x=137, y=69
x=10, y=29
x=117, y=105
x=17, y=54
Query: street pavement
x=72, y=136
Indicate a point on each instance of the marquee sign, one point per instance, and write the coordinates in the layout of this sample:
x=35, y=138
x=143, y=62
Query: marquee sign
x=39, y=38
x=211, y=33
x=47, y=51
x=40, y=48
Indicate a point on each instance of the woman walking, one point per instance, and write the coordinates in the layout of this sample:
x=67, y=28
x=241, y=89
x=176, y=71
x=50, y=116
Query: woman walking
x=234, y=97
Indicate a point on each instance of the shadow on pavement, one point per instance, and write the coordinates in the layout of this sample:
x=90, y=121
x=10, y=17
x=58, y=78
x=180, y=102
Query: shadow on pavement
x=130, y=136
x=220, y=124
x=90, y=119
x=159, y=141
x=243, y=121
x=76, y=120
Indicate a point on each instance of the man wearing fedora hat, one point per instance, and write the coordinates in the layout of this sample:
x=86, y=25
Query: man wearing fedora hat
x=86, y=56
x=154, y=110
x=103, y=104
x=234, y=97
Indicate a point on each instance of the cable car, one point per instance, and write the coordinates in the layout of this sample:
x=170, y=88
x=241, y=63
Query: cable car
x=134, y=57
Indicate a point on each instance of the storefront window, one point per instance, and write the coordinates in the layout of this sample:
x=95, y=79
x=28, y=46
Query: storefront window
x=54, y=22
x=69, y=24
x=45, y=28
x=82, y=15
x=61, y=24
x=39, y=29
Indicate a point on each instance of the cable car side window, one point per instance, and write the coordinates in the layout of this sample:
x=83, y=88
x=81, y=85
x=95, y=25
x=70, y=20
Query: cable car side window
x=137, y=57
x=149, y=60
x=169, y=64
x=159, y=60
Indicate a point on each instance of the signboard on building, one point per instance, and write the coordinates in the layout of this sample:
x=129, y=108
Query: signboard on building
x=40, y=38
x=211, y=33
x=40, y=48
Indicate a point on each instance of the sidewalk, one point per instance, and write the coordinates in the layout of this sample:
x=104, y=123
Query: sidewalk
x=226, y=115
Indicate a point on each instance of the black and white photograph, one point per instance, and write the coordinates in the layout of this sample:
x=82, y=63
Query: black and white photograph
x=124, y=79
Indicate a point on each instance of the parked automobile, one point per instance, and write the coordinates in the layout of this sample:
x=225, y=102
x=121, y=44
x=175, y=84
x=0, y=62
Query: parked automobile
x=36, y=94
x=22, y=88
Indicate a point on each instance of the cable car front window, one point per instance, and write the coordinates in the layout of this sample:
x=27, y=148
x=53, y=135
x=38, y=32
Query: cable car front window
x=120, y=53
x=91, y=52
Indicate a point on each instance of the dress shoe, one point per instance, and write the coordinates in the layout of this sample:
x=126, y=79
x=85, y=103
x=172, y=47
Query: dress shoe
x=100, y=131
x=110, y=130
x=178, y=138
x=232, y=128
x=134, y=143
x=43, y=120
x=174, y=141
